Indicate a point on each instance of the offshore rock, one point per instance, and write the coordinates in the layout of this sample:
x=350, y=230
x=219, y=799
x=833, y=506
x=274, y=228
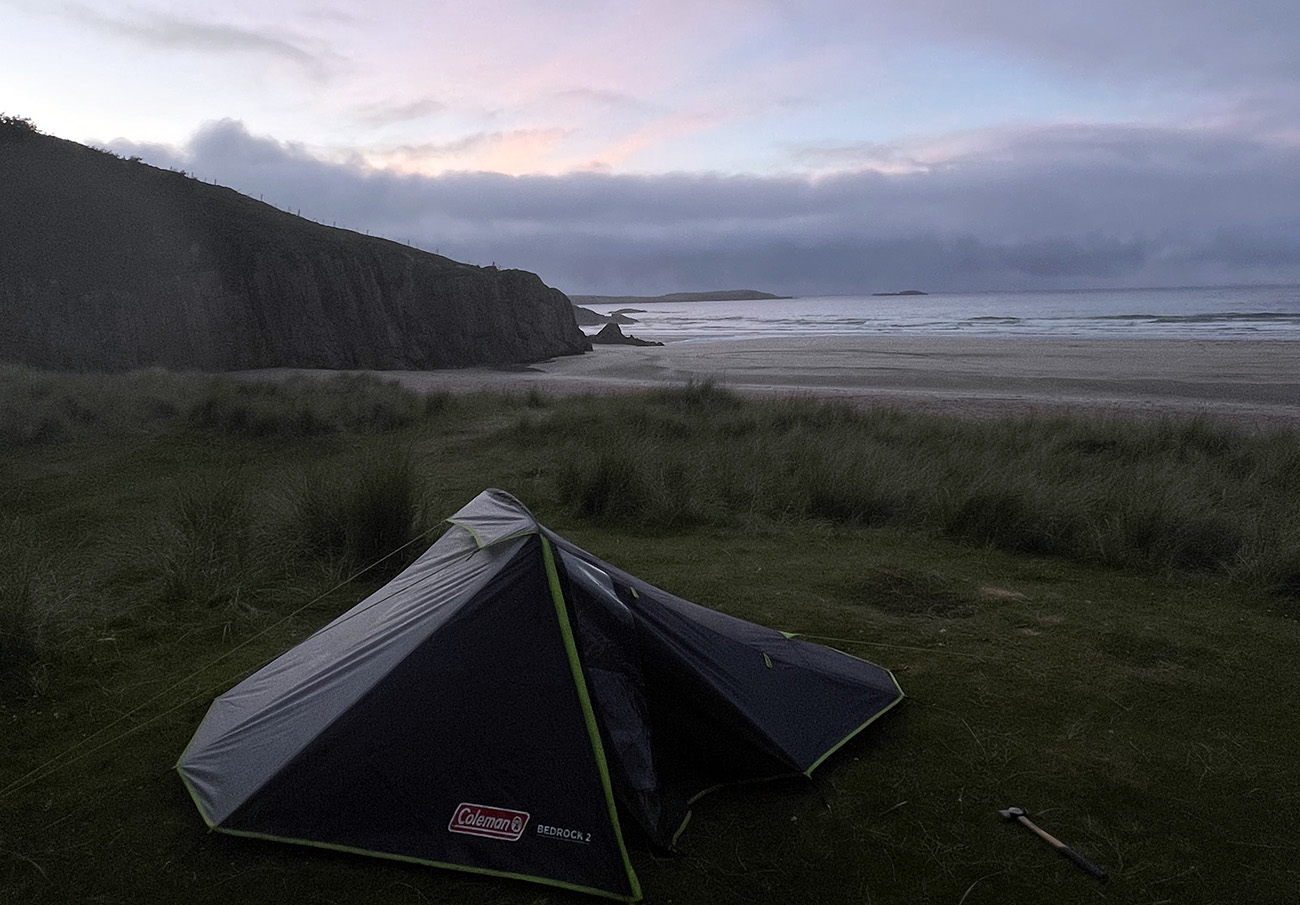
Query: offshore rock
x=612, y=335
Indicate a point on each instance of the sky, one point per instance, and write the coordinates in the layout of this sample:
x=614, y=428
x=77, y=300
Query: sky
x=804, y=148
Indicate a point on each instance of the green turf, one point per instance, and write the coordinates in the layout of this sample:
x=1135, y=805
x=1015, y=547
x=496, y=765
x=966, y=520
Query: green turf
x=1075, y=634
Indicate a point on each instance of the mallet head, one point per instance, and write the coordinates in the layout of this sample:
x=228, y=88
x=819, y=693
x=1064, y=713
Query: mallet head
x=1012, y=813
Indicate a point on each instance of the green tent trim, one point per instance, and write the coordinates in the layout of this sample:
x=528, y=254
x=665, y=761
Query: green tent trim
x=487, y=871
x=588, y=713
x=848, y=738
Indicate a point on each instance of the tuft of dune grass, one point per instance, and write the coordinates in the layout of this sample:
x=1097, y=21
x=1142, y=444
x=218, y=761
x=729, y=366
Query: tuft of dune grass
x=41, y=605
x=351, y=516
x=211, y=549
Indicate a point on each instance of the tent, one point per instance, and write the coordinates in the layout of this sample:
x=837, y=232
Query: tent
x=512, y=705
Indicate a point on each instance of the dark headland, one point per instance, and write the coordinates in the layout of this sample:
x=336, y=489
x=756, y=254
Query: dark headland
x=112, y=264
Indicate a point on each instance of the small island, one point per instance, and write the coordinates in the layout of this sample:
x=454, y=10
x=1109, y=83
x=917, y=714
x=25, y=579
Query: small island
x=722, y=295
x=588, y=318
x=904, y=292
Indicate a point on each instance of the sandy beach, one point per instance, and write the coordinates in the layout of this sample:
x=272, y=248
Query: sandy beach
x=1254, y=383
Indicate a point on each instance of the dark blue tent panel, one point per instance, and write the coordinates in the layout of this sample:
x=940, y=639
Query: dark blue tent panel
x=506, y=701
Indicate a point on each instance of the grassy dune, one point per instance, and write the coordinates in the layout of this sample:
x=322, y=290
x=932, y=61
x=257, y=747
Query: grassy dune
x=1092, y=619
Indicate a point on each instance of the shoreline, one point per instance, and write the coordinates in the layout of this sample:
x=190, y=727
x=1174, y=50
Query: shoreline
x=1254, y=383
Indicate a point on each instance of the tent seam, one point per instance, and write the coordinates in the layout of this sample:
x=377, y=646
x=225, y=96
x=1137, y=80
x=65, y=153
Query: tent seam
x=589, y=715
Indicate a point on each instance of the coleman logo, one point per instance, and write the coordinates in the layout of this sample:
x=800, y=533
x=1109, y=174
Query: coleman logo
x=494, y=823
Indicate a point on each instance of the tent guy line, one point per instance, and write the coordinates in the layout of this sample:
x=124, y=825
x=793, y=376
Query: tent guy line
x=925, y=650
x=54, y=764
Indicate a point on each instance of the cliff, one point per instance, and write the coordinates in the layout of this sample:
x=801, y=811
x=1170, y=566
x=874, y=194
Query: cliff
x=111, y=264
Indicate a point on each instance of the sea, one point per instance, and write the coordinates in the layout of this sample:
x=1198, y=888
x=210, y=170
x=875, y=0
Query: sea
x=1213, y=313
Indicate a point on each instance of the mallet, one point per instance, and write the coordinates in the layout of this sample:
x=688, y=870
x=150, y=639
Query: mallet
x=1019, y=815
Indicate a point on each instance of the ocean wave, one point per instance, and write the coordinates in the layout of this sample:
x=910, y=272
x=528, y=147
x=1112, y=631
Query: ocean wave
x=1244, y=313
x=1211, y=317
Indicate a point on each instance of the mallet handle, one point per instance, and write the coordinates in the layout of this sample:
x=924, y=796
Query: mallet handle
x=1084, y=863
x=1065, y=850
x=1042, y=834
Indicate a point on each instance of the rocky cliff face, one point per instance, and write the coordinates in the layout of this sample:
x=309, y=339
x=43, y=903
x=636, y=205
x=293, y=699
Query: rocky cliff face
x=109, y=264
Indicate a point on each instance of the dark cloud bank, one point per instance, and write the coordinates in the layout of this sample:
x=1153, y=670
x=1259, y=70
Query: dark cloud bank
x=1059, y=207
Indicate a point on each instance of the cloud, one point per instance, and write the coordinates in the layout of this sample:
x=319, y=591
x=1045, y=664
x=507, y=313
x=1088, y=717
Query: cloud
x=664, y=85
x=1030, y=207
x=504, y=150
x=587, y=98
x=477, y=141
x=384, y=114
x=170, y=32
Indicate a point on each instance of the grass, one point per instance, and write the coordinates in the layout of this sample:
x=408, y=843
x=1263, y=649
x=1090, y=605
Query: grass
x=351, y=518
x=43, y=605
x=21, y=645
x=1092, y=619
x=208, y=550
x=1151, y=494
x=39, y=408
x=306, y=407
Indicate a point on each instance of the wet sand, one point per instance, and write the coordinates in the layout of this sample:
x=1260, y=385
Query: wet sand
x=1255, y=383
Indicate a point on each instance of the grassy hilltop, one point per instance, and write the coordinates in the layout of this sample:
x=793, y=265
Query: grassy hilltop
x=1093, y=620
